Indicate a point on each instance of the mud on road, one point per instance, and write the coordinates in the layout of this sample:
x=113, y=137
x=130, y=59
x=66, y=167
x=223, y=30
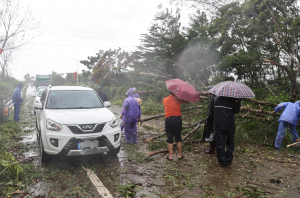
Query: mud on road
x=255, y=172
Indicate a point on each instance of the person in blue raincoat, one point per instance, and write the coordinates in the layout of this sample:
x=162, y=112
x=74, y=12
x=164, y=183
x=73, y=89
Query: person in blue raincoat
x=289, y=118
x=135, y=94
x=17, y=100
x=130, y=115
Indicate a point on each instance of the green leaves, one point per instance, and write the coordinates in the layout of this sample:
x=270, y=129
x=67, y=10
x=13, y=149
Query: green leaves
x=9, y=166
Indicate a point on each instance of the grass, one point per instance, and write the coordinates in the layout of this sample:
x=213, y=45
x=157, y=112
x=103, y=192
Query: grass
x=133, y=153
x=127, y=190
x=157, y=145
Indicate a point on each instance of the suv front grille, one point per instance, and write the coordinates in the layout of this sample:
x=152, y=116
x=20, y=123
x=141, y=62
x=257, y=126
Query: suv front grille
x=99, y=128
x=77, y=130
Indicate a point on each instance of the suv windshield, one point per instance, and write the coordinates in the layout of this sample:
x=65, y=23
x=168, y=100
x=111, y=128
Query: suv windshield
x=73, y=100
x=41, y=92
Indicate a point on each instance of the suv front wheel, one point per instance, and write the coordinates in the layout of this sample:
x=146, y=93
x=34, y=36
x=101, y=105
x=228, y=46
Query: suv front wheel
x=115, y=151
x=44, y=156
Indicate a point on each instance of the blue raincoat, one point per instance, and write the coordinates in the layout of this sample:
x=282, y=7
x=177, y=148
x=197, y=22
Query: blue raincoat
x=135, y=95
x=291, y=112
x=16, y=96
x=288, y=119
x=17, y=100
x=130, y=113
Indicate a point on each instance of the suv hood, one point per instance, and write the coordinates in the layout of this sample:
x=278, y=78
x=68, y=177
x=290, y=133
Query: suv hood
x=79, y=116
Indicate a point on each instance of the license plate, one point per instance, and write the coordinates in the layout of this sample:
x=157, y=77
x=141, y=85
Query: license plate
x=80, y=147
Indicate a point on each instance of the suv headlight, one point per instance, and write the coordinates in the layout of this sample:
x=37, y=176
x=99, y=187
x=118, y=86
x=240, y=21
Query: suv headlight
x=53, y=126
x=113, y=123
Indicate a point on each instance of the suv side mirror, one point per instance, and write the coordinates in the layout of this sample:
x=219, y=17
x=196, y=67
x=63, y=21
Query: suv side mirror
x=38, y=106
x=106, y=104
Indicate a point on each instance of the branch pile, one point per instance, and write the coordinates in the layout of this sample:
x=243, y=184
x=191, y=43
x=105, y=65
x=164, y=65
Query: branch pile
x=185, y=137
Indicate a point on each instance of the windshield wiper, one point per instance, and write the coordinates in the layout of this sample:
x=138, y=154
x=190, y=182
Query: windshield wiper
x=85, y=107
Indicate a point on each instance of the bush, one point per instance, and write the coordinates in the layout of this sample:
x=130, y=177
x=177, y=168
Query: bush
x=6, y=90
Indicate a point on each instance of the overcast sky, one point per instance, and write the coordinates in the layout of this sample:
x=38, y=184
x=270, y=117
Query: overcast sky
x=76, y=29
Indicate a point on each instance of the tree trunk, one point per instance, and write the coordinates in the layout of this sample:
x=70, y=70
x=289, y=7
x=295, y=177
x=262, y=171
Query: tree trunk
x=290, y=75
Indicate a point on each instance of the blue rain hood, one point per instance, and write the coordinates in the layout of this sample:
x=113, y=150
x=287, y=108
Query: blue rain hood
x=130, y=92
x=291, y=112
x=20, y=85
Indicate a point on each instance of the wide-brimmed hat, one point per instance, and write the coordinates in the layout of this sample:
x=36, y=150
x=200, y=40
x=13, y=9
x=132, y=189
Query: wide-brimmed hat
x=138, y=100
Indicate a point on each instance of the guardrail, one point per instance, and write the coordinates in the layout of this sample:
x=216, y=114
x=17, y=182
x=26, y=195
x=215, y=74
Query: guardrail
x=7, y=107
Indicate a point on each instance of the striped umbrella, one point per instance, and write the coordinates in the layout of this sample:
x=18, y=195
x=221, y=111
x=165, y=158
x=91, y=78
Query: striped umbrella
x=232, y=89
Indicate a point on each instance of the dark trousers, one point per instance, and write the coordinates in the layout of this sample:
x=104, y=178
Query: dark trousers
x=173, y=126
x=224, y=156
x=17, y=112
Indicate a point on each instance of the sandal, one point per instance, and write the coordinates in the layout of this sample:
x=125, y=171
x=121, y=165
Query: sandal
x=182, y=157
x=169, y=158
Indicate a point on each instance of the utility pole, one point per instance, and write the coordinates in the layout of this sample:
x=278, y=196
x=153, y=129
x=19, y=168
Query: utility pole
x=77, y=69
x=23, y=73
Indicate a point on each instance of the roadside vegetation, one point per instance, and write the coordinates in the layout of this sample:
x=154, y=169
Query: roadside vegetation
x=16, y=172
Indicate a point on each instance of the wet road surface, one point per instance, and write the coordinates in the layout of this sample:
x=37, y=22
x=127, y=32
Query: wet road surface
x=130, y=174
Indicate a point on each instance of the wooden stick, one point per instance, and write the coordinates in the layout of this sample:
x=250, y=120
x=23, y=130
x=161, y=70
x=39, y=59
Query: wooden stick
x=191, y=114
x=150, y=139
x=162, y=115
x=259, y=111
x=263, y=186
x=151, y=118
x=194, y=130
x=186, y=136
x=193, y=141
x=194, y=124
x=297, y=144
x=147, y=92
x=260, y=102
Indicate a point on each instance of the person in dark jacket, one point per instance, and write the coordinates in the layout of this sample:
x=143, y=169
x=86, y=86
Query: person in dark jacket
x=18, y=101
x=224, y=125
x=102, y=94
x=209, y=132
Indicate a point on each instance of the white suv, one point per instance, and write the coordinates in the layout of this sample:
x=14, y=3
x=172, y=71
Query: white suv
x=72, y=120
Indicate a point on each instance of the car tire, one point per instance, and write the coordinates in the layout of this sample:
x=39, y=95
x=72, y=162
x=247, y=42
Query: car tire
x=44, y=156
x=37, y=132
x=115, y=151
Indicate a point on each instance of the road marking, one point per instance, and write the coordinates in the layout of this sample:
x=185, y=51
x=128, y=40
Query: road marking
x=102, y=190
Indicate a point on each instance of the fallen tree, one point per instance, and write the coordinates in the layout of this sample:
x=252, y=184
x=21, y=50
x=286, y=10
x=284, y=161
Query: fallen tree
x=162, y=115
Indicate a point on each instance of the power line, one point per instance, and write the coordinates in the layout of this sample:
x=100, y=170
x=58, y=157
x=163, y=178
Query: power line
x=80, y=46
x=83, y=30
x=87, y=37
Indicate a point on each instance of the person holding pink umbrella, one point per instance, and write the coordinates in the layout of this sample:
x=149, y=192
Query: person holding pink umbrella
x=179, y=92
x=173, y=124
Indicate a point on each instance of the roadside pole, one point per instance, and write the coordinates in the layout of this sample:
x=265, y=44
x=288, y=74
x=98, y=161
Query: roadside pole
x=2, y=111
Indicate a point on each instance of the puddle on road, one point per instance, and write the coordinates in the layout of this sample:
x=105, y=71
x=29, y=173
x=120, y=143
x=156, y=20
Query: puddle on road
x=30, y=137
x=39, y=190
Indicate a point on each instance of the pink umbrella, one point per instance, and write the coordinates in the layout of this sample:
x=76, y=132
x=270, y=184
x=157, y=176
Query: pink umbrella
x=183, y=90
